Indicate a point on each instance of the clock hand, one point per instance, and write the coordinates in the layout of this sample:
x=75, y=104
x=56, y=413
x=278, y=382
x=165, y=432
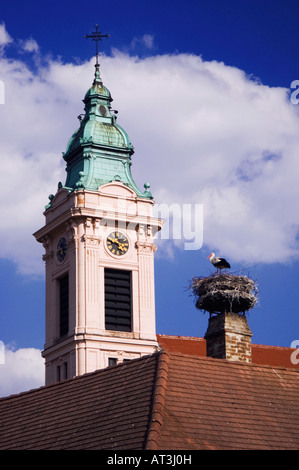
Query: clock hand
x=115, y=240
x=121, y=246
x=118, y=242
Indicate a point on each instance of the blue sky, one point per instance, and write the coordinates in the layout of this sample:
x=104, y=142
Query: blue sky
x=234, y=63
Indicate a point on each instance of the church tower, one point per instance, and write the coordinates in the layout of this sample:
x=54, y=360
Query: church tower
x=99, y=251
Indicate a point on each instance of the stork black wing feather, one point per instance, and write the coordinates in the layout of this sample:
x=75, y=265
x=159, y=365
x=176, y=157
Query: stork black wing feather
x=222, y=262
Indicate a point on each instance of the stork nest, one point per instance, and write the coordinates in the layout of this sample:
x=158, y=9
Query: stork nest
x=224, y=293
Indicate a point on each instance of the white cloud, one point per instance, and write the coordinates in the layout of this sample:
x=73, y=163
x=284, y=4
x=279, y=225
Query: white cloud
x=4, y=36
x=217, y=138
x=29, y=45
x=203, y=132
x=22, y=370
x=34, y=133
x=147, y=41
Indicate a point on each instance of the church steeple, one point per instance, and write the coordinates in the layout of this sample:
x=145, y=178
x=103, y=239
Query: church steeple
x=99, y=250
x=100, y=150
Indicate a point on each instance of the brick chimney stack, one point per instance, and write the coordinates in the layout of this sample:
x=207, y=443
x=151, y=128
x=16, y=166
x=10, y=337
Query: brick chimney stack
x=229, y=337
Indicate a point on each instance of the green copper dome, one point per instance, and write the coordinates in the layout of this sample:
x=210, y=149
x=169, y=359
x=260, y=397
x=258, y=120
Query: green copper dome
x=100, y=150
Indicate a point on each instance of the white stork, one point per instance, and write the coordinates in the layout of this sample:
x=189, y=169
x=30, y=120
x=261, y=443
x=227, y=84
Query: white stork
x=219, y=263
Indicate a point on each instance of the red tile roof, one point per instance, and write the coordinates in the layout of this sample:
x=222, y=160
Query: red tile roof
x=183, y=344
x=218, y=404
x=106, y=409
x=160, y=402
x=276, y=356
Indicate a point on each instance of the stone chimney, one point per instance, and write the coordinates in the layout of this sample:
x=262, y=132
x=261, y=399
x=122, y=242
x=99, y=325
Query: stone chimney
x=228, y=337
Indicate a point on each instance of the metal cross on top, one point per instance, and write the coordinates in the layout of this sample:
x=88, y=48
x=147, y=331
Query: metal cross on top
x=96, y=36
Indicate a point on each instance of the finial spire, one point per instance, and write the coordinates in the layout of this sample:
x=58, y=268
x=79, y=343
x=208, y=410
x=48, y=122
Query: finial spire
x=96, y=36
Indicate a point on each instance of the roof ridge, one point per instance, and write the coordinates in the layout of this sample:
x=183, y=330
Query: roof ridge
x=158, y=400
x=271, y=346
x=197, y=338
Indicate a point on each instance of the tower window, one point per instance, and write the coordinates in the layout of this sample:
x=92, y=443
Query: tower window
x=118, y=300
x=62, y=372
x=112, y=361
x=64, y=305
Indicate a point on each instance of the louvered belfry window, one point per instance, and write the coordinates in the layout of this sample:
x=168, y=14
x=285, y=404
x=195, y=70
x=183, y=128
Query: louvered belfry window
x=64, y=305
x=118, y=300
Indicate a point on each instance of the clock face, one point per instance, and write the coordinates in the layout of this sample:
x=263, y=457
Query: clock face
x=117, y=243
x=61, y=249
